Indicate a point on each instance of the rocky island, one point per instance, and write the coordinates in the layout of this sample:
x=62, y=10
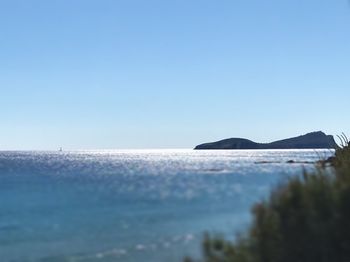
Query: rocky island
x=314, y=140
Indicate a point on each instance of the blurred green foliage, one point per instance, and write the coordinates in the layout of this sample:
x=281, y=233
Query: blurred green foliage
x=307, y=219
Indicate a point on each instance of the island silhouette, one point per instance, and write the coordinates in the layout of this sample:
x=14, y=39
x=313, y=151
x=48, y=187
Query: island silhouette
x=313, y=140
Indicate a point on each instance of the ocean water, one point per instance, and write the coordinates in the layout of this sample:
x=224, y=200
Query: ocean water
x=132, y=205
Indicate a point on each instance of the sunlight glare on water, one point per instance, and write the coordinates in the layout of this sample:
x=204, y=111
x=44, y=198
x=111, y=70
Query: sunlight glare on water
x=132, y=205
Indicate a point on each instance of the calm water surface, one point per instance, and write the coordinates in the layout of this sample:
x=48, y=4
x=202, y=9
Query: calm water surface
x=131, y=205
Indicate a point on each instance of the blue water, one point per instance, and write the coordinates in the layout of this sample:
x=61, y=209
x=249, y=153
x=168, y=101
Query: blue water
x=131, y=205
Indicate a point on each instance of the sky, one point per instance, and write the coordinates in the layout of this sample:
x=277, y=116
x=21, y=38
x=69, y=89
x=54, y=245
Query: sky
x=115, y=74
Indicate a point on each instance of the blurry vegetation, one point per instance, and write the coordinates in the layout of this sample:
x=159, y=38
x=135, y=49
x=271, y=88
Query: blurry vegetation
x=307, y=219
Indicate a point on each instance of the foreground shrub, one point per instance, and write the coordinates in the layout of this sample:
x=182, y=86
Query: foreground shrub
x=308, y=219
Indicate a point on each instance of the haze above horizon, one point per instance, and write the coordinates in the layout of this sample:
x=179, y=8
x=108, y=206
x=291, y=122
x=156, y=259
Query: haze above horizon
x=170, y=74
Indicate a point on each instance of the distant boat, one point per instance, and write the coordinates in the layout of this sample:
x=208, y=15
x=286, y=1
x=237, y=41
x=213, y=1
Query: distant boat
x=60, y=150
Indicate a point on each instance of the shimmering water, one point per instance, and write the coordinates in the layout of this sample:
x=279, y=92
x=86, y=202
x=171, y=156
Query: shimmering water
x=134, y=205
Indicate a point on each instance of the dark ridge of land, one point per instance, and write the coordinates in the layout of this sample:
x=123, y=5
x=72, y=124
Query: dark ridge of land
x=314, y=140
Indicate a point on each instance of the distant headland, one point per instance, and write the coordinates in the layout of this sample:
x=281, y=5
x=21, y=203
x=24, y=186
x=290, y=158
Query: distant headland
x=314, y=140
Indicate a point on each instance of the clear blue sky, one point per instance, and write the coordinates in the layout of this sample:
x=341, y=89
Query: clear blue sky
x=86, y=74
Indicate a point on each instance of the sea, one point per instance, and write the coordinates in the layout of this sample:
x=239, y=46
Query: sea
x=133, y=205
